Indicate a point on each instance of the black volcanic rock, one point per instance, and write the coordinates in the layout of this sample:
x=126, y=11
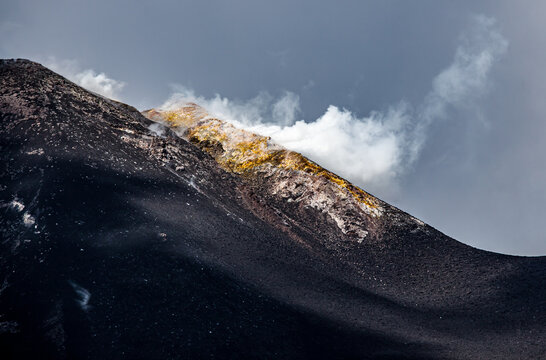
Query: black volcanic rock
x=116, y=242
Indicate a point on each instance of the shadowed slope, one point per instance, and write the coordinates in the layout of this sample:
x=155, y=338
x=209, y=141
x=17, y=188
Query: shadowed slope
x=118, y=242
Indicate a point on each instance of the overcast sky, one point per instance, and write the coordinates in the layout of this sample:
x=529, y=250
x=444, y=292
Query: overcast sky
x=436, y=107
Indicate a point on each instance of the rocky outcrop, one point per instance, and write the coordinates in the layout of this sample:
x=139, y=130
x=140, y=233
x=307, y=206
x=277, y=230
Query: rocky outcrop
x=286, y=177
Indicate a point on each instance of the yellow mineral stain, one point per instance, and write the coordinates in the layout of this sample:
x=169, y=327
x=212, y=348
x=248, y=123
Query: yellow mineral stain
x=241, y=151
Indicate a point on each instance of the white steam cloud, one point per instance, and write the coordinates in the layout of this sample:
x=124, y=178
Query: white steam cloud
x=99, y=83
x=262, y=109
x=372, y=151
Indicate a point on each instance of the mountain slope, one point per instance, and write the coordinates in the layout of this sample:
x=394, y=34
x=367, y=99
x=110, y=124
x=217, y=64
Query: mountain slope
x=118, y=241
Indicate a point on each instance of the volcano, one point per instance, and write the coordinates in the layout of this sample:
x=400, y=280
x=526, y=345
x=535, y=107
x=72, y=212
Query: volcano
x=171, y=234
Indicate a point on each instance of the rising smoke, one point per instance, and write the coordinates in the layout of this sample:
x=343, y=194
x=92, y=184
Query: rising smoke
x=374, y=150
x=99, y=83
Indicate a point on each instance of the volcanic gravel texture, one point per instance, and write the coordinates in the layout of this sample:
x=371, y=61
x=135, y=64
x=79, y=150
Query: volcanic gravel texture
x=117, y=242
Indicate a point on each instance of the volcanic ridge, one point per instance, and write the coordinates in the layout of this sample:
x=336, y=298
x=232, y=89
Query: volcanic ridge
x=173, y=234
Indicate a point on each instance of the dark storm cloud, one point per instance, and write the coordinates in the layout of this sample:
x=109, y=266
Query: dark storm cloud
x=479, y=176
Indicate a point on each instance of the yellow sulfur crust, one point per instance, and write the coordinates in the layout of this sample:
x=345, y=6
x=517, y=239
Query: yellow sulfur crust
x=241, y=152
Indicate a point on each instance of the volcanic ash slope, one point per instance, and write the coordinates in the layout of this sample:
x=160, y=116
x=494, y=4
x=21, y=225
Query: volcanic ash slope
x=172, y=234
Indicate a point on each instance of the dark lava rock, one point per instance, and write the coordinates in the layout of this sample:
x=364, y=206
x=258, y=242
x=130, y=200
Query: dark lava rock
x=116, y=242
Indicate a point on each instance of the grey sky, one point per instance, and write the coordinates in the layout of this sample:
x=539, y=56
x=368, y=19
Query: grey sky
x=479, y=176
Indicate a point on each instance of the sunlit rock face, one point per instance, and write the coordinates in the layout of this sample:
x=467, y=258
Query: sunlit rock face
x=287, y=175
